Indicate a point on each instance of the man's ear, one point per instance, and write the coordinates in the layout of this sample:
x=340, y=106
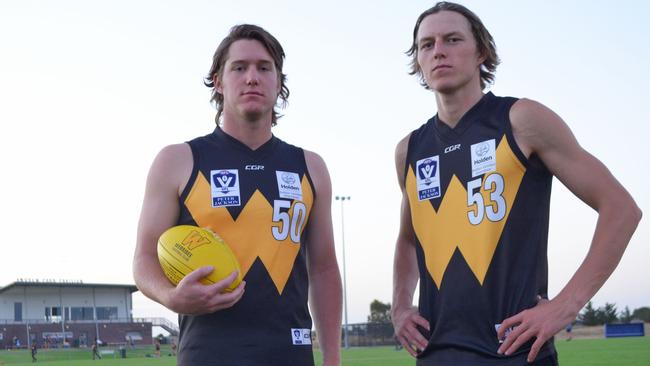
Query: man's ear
x=218, y=86
x=481, y=57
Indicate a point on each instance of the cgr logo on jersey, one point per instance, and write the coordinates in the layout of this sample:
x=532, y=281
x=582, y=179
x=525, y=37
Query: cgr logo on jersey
x=451, y=148
x=484, y=158
x=428, y=178
x=224, y=184
x=254, y=167
x=289, y=185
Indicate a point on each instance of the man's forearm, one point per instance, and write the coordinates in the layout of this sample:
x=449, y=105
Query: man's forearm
x=150, y=279
x=325, y=291
x=405, y=276
x=614, y=230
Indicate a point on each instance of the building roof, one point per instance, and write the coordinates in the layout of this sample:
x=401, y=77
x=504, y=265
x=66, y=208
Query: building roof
x=65, y=284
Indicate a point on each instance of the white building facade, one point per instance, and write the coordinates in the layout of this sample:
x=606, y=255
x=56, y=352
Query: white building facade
x=68, y=313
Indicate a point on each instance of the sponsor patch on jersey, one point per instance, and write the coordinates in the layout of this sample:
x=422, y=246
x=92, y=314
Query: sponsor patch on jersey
x=428, y=178
x=497, y=326
x=484, y=158
x=301, y=336
x=224, y=184
x=289, y=185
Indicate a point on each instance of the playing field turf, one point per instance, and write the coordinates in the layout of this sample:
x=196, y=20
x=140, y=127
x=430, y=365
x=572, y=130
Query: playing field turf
x=633, y=351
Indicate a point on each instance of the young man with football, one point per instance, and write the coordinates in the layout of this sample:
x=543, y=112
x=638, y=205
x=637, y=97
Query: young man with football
x=269, y=201
x=476, y=183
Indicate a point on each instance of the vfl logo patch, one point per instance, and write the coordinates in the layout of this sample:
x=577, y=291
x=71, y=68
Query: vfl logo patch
x=224, y=184
x=484, y=159
x=428, y=178
x=289, y=185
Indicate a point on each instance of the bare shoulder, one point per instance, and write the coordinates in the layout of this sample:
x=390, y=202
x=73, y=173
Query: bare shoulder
x=535, y=126
x=173, y=165
x=317, y=170
x=402, y=148
x=400, y=158
x=528, y=113
x=314, y=160
x=175, y=154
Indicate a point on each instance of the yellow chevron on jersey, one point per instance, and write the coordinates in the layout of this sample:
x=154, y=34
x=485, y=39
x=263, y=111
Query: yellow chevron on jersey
x=250, y=236
x=440, y=233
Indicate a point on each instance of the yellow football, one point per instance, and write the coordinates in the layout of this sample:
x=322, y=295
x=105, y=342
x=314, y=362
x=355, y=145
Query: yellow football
x=184, y=248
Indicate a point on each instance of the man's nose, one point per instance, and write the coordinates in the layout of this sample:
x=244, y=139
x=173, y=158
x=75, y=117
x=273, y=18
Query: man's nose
x=439, y=49
x=252, y=77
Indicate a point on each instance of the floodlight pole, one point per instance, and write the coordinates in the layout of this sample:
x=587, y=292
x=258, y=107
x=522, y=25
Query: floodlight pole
x=345, y=287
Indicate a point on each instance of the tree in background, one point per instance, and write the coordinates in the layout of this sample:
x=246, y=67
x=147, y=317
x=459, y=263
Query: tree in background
x=642, y=314
x=588, y=315
x=626, y=315
x=380, y=328
x=607, y=314
x=379, y=312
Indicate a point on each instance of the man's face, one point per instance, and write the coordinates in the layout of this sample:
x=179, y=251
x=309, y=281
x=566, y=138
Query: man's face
x=249, y=82
x=447, y=52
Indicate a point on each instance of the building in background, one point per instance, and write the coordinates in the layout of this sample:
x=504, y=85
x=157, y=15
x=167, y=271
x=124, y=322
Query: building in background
x=71, y=314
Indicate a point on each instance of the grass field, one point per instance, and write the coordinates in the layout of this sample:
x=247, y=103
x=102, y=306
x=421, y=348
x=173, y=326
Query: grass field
x=633, y=351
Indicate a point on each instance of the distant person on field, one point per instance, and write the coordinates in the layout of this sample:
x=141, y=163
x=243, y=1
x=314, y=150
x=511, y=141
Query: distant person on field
x=34, y=351
x=95, y=351
x=476, y=187
x=157, y=347
x=568, y=329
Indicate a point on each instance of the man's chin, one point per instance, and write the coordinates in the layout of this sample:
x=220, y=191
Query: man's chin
x=253, y=116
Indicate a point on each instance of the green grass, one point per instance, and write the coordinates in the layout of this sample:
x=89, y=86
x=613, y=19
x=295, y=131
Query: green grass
x=372, y=356
x=629, y=351
x=633, y=351
x=83, y=357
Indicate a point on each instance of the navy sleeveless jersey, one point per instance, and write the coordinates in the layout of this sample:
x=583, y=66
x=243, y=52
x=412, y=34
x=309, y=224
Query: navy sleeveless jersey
x=479, y=211
x=259, y=202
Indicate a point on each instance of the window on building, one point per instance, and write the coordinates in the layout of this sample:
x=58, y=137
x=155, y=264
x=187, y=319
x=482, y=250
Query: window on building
x=133, y=336
x=81, y=313
x=18, y=311
x=53, y=314
x=107, y=312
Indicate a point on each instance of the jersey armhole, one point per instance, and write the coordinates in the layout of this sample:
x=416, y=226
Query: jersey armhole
x=308, y=175
x=407, y=156
x=195, y=172
x=533, y=163
x=511, y=137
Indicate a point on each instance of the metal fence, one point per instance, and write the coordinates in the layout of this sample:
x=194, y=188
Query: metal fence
x=370, y=334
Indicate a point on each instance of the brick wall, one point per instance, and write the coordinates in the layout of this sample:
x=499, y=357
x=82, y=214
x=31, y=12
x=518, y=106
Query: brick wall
x=82, y=333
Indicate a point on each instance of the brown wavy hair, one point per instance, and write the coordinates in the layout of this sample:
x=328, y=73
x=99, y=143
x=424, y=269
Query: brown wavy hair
x=484, y=43
x=253, y=32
